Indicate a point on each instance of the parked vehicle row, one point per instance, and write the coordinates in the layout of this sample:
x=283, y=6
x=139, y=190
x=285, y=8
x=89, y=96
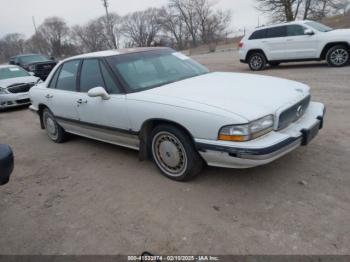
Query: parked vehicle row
x=39, y=65
x=295, y=41
x=173, y=110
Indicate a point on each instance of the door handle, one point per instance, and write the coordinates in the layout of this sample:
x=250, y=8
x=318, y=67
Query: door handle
x=290, y=40
x=81, y=101
x=48, y=96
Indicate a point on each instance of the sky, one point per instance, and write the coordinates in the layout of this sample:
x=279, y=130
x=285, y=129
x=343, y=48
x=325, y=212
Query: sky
x=16, y=15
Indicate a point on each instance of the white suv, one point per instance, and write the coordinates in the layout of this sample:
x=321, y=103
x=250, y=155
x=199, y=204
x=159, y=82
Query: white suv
x=295, y=41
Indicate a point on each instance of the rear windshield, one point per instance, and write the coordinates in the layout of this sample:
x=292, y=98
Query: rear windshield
x=12, y=72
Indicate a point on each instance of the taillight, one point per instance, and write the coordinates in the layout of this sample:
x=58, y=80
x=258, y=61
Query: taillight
x=240, y=45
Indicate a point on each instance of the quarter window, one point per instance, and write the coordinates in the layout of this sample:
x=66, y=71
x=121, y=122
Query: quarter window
x=90, y=75
x=279, y=31
x=68, y=76
x=295, y=30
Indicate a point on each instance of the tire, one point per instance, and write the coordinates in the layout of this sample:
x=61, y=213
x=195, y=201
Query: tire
x=274, y=64
x=338, y=56
x=257, y=61
x=174, y=154
x=54, y=131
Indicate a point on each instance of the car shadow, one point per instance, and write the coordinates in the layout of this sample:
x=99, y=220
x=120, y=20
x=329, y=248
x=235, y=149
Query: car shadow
x=14, y=109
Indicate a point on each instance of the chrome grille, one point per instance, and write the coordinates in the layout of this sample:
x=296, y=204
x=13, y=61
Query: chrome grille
x=293, y=113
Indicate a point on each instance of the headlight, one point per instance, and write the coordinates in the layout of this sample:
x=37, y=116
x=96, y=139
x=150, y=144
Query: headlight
x=246, y=132
x=31, y=68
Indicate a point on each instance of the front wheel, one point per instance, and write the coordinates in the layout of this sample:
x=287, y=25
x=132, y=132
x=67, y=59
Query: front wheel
x=257, y=61
x=54, y=131
x=174, y=153
x=338, y=56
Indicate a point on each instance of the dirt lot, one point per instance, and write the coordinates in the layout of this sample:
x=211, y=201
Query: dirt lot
x=87, y=197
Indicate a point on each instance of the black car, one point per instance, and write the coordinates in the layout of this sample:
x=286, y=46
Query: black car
x=40, y=65
x=6, y=164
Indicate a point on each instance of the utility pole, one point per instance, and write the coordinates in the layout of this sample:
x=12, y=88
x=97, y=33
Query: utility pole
x=34, y=24
x=109, y=25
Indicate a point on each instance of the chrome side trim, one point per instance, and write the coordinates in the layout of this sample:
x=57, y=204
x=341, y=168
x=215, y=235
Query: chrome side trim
x=104, y=135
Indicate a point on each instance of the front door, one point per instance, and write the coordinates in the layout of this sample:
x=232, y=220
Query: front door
x=106, y=120
x=299, y=45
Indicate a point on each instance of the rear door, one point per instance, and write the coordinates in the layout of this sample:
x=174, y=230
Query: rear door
x=299, y=45
x=61, y=95
x=275, y=42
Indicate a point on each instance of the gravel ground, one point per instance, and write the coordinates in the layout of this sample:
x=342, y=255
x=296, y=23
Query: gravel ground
x=87, y=197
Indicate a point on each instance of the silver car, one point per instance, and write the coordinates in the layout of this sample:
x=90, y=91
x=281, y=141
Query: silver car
x=15, y=84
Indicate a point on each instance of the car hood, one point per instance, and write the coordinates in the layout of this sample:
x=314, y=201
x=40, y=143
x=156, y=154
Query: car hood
x=340, y=32
x=245, y=95
x=18, y=80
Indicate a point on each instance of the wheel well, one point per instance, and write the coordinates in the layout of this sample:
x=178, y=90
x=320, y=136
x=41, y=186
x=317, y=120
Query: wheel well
x=330, y=45
x=40, y=112
x=145, y=135
x=255, y=51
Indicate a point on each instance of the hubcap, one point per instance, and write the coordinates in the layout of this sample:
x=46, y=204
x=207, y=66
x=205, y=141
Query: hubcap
x=339, y=56
x=51, y=127
x=256, y=62
x=169, y=154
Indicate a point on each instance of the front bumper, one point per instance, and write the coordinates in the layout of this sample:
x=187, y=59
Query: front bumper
x=14, y=100
x=265, y=149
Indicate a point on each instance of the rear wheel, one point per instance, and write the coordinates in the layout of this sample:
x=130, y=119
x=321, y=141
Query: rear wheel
x=257, y=61
x=54, y=131
x=174, y=153
x=338, y=56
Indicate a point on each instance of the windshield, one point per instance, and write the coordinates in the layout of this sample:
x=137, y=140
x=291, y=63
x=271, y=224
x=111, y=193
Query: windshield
x=146, y=70
x=319, y=27
x=29, y=59
x=12, y=72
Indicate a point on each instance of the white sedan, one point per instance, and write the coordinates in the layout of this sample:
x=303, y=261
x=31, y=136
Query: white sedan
x=174, y=110
x=15, y=83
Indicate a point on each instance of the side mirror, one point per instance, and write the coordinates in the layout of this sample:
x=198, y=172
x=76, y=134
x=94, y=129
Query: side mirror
x=12, y=62
x=32, y=73
x=309, y=32
x=99, y=92
x=52, y=58
x=6, y=164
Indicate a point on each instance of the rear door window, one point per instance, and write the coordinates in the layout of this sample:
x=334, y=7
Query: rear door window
x=275, y=32
x=260, y=34
x=67, y=78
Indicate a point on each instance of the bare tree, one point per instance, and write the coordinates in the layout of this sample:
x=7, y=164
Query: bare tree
x=174, y=24
x=10, y=45
x=187, y=10
x=142, y=27
x=279, y=10
x=56, y=32
x=289, y=10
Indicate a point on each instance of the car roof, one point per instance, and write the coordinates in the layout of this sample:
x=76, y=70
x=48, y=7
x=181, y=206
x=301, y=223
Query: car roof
x=24, y=55
x=298, y=22
x=117, y=52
